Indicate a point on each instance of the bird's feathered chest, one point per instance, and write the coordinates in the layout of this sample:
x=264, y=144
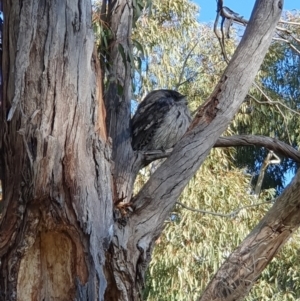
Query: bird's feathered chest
x=159, y=123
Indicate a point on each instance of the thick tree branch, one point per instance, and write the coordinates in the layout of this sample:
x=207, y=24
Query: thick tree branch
x=118, y=96
x=155, y=200
x=279, y=147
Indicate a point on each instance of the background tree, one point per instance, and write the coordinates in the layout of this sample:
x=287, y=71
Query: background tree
x=60, y=238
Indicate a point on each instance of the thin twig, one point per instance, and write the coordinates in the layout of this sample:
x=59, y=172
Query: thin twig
x=184, y=65
x=187, y=80
x=270, y=101
x=231, y=214
x=289, y=43
x=289, y=22
x=220, y=38
x=285, y=123
x=276, y=103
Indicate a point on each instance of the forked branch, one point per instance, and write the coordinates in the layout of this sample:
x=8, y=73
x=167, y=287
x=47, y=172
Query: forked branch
x=211, y=120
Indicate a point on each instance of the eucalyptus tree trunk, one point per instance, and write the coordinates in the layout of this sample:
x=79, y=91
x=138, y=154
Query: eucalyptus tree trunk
x=56, y=216
x=70, y=229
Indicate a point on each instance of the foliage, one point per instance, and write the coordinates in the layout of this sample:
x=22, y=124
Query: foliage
x=278, y=105
x=172, y=19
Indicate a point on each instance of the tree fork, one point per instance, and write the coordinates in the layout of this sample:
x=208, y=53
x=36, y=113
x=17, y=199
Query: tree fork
x=156, y=198
x=57, y=215
x=134, y=241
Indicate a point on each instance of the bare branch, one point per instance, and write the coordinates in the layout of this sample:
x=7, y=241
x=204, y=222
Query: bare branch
x=289, y=43
x=229, y=17
x=183, y=67
x=268, y=160
x=273, y=144
x=271, y=101
x=289, y=22
x=220, y=38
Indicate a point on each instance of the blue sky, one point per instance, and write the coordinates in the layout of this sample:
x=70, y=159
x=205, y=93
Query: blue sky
x=242, y=7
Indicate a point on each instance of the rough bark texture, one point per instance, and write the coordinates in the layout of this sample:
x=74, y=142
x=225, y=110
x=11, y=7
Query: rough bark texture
x=59, y=239
x=134, y=239
x=57, y=208
x=119, y=15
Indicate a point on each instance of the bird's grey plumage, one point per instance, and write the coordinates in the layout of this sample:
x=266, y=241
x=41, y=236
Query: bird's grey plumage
x=161, y=119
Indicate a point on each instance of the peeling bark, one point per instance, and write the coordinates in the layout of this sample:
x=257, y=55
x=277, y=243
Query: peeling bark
x=65, y=165
x=47, y=269
x=57, y=194
x=119, y=15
